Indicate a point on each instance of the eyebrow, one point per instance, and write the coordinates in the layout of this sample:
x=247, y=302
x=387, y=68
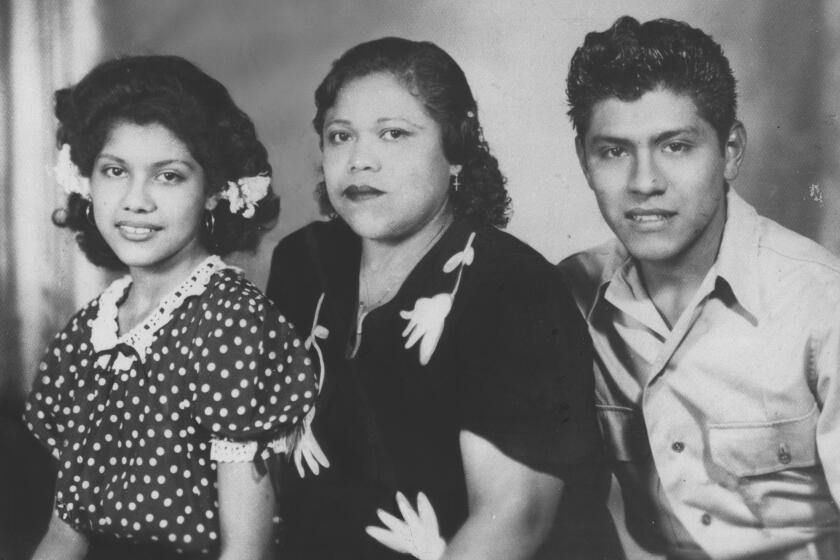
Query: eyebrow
x=161, y=163
x=691, y=130
x=380, y=120
x=662, y=136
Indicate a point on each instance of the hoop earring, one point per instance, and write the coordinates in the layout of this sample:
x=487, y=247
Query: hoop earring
x=89, y=214
x=209, y=222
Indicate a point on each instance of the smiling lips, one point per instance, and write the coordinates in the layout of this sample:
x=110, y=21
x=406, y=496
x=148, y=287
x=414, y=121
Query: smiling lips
x=360, y=193
x=136, y=231
x=652, y=218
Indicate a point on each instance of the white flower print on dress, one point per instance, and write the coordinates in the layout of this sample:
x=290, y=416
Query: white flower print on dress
x=417, y=533
x=307, y=448
x=426, y=320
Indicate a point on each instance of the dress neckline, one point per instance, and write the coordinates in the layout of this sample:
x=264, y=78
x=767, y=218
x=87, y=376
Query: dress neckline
x=429, y=275
x=105, y=326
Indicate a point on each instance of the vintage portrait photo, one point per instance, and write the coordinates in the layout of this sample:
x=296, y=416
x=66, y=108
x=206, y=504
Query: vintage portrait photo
x=430, y=279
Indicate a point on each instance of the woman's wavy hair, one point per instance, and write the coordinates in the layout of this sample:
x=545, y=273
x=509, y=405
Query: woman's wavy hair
x=630, y=59
x=174, y=93
x=430, y=74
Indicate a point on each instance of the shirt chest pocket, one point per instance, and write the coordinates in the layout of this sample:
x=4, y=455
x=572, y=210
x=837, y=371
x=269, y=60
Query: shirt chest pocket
x=624, y=433
x=753, y=449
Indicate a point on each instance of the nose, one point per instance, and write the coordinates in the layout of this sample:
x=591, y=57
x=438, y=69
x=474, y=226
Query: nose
x=137, y=196
x=646, y=177
x=363, y=157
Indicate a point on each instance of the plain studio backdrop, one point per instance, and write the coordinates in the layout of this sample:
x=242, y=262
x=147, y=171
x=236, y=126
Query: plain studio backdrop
x=272, y=54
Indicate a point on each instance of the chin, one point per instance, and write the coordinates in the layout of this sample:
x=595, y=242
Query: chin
x=652, y=251
x=369, y=227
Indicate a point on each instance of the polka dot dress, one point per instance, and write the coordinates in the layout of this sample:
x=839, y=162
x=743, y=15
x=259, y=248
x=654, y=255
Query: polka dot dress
x=131, y=419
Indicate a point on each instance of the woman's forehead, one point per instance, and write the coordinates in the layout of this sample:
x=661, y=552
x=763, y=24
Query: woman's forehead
x=377, y=96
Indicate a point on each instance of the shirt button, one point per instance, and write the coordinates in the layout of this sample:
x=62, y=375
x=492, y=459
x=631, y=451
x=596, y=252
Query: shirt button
x=678, y=446
x=784, y=454
x=706, y=519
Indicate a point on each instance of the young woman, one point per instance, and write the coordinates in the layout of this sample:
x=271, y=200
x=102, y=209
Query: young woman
x=456, y=366
x=162, y=396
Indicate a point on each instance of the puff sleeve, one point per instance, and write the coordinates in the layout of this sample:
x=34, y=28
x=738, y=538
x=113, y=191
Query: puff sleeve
x=526, y=382
x=254, y=380
x=49, y=406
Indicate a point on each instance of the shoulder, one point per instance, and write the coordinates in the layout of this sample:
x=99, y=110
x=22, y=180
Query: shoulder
x=795, y=250
x=313, y=238
x=229, y=288
x=81, y=323
x=585, y=271
x=308, y=257
x=590, y=265
x=791, y=263
x=231, y=302
x=506, y=255
x=73, y=343
x=511, y=274
x=83, y=318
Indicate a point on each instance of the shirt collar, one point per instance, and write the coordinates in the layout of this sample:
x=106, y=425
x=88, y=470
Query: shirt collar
x=736, y=263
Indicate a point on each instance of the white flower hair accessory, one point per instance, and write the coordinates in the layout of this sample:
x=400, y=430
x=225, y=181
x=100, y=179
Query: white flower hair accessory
x=68, y=176
x=244, y=194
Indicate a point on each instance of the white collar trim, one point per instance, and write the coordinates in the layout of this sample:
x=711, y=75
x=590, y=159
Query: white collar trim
x=104, y=329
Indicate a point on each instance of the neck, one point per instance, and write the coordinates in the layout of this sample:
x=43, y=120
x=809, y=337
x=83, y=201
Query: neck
x=150, y=285
x=671, y=284
x=386, y=264
x=381, y=254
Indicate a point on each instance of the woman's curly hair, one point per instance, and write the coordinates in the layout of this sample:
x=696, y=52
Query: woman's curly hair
x=172, y=92
x=430, y=74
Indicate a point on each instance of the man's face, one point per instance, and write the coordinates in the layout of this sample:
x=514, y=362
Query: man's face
x=659, y=173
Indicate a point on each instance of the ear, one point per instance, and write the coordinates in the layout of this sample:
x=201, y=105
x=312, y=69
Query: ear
x=734, y=150
x=581, y=155
x=455, y=169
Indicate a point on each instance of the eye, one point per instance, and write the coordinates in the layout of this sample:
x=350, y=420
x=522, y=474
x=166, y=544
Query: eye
x=170, y=177
x=113, y=171
x=676, y=147
x=337, y=137
x=612, y=152
x=394, y=133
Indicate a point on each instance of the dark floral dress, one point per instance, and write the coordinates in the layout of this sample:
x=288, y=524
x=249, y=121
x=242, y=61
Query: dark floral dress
x=481, y=337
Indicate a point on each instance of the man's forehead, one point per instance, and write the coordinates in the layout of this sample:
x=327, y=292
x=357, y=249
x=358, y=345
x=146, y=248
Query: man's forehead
x=654, y=113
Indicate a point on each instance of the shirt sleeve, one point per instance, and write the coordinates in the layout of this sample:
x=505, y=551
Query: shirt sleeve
x=65, y=358
x=825, y=381
x=527, y=384
x=254, y=377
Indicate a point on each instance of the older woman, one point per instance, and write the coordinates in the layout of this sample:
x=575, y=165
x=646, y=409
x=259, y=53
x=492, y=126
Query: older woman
x=455, y=369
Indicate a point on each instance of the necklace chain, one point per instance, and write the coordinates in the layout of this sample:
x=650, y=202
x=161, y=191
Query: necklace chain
x=393, y=281
x=365, y=308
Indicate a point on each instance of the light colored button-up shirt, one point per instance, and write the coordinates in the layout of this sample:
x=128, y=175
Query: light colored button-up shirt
x=725, y=429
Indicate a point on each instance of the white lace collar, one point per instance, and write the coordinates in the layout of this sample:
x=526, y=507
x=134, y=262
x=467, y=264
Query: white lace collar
x=104, y=329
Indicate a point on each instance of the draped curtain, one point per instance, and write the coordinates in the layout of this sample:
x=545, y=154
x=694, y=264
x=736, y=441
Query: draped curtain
x=44, y=45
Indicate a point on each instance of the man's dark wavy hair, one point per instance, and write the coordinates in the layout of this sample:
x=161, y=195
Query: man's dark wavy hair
x=172, y=92
x=630, y=59
x=430, y=74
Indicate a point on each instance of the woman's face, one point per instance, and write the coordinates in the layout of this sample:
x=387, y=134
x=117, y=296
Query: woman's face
x=148, y=198
x=384, y=167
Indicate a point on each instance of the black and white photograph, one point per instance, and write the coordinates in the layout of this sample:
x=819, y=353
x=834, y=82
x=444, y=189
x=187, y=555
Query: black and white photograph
x=433, y=280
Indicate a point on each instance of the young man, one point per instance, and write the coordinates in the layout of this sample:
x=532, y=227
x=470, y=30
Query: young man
x=717, y=331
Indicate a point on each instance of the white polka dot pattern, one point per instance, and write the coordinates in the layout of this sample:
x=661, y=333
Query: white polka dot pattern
x=133, y=443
